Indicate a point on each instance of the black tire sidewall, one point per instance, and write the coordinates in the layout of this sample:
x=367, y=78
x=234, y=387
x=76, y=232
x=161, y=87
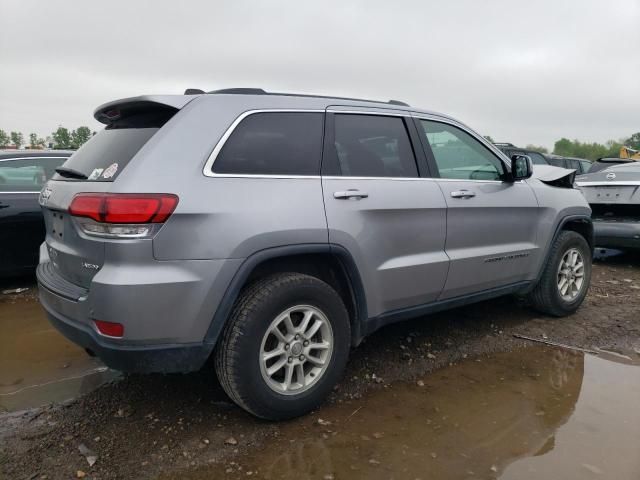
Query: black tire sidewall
x=264, y=401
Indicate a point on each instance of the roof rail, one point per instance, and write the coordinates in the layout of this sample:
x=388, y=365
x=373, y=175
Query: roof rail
x=260, y=91
x=241, y=91
x=398, y=102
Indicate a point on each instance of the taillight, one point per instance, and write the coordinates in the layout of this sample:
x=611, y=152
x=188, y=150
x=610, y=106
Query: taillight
x=125, y=215
x=110, y=329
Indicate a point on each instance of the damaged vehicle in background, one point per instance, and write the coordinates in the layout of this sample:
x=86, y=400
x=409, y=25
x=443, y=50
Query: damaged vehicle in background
x=614, y=197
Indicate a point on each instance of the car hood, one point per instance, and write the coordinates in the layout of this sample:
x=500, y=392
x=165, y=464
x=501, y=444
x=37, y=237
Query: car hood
x=556, y=176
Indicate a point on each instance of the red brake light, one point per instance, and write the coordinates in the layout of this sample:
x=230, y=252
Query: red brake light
x=124, y=207
x=110, y=329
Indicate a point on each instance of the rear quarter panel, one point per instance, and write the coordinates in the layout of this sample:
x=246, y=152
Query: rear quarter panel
x=220, y=217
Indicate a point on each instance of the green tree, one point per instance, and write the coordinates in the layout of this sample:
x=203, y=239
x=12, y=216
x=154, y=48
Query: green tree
x=17, y=139
x=61, y=138
x=633, y=141
x=4, y=139
x=35, y=142
x=590, y=151
x=563, y=147
x=537, y=148
x=80, y=136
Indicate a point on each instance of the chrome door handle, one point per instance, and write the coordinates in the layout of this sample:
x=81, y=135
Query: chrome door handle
x=463, y=194
x=347, y=194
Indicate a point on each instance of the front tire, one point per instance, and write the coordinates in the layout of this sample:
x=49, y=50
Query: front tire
x=285, y=346
x=565, y=280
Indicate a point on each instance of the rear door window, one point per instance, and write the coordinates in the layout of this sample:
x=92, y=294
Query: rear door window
x=27, y=174
x=273, y=143
x=537, y=158
x=373, y=146
x=584, y=166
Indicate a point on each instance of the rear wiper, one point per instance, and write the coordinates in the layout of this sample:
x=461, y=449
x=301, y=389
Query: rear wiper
x=71, y=173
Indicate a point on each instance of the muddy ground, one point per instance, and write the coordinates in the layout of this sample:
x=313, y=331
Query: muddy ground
x=177, y=426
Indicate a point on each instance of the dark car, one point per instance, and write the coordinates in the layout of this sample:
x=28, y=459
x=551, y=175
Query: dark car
x=22, y=176
x=510, y=150
x=580, y=165
x=603, y=163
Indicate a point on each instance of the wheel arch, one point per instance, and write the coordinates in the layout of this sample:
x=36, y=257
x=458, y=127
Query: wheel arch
x=331, y=263
x=581, y=224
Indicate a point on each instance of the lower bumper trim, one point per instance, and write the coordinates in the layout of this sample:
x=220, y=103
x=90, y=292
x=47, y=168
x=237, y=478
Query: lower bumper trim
x=181, y=358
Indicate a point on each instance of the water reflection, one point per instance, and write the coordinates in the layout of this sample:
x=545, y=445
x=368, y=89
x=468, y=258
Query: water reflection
x=37, y=364
x=515, y=415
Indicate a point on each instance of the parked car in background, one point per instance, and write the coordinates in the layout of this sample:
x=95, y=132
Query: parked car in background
x=510, y=150
x=603, y=163
x=22, y=175
x=580, y=165
x=614, y=196
x=289, y=228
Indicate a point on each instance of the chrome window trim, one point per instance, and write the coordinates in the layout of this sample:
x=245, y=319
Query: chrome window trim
x=15, y=191
x=28, y=158
x=391, y=113
x=430, y=179
x=208, y=166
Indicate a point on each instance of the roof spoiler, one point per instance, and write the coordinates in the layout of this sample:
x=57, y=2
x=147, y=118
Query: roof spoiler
x=110, y=112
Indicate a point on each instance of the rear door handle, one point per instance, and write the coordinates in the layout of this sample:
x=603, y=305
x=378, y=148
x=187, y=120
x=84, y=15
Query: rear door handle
x=348, y=194
x=463, y=194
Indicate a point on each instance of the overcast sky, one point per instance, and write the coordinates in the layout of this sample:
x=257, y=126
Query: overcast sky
x=520, y=71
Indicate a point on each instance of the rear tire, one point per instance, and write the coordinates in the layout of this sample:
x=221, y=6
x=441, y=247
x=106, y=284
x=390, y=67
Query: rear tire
x=268, y=322
x=563, y=286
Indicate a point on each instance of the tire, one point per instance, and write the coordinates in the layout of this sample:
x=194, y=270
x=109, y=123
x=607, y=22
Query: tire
x=547, y=297
x=239, y=354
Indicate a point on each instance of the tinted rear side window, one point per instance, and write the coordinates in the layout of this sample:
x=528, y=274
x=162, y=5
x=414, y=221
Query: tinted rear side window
x=273, y=143
x=373, y=146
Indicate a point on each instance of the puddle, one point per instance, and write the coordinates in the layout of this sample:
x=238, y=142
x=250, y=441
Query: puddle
x=534, y=413
x=37, y=364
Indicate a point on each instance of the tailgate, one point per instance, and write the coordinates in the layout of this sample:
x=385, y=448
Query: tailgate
x=74, y=256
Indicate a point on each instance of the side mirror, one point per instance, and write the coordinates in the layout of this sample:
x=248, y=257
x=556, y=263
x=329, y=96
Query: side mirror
x=521, y=167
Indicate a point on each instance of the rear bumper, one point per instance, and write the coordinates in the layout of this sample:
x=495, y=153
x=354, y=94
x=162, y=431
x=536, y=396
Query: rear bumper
x=617, y=234
x=165, y=316
x=127, y=358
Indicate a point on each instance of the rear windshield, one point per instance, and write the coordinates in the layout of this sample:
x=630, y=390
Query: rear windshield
x=103, y=157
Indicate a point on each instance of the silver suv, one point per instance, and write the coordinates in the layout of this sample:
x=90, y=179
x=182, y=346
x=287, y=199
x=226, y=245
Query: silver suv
x=273, y=232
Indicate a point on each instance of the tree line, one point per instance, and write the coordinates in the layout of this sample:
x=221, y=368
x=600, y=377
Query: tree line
x=590, y=151
x=61, y=139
